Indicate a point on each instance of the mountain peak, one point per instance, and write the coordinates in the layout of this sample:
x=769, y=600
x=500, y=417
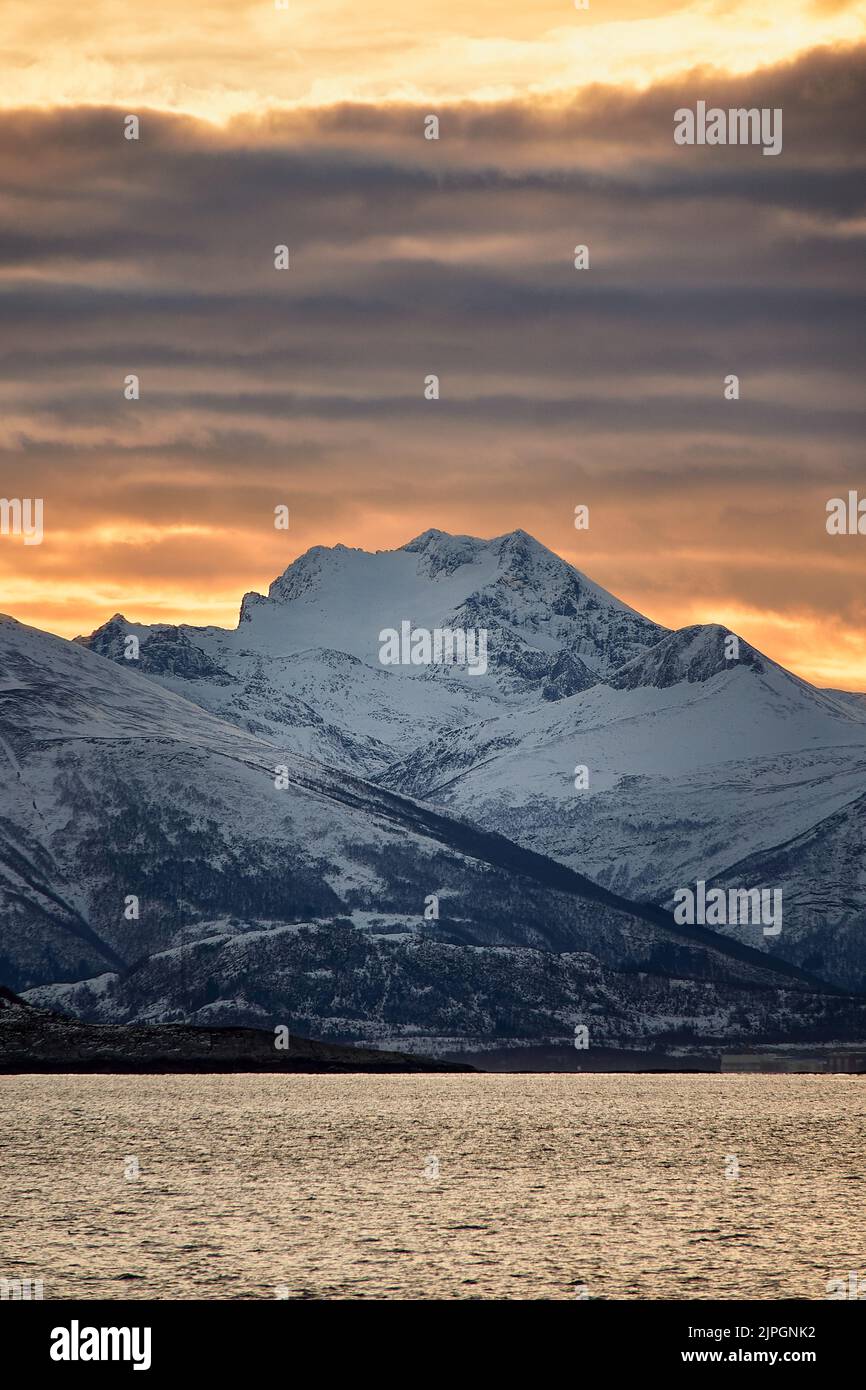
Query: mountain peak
x=520, y=540
x=509, y=540
x=551, y=630
x=440, y=553
x=693, y=654
x=427, y=538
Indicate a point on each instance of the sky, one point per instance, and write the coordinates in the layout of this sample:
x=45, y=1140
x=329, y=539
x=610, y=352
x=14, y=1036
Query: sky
x=409, y=257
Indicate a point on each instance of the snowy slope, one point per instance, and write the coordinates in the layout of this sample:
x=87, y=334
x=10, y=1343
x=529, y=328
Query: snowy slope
x=303, y=663
x=255, y=901
x=512, y=583
x=694, y=763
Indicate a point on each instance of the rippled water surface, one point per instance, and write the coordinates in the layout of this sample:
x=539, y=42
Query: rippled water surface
x=318, y=1186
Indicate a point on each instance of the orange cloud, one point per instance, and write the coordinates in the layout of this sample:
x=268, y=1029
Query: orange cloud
x=221, y=58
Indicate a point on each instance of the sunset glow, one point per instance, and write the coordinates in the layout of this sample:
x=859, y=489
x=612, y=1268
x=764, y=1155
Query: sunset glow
x=304, y=126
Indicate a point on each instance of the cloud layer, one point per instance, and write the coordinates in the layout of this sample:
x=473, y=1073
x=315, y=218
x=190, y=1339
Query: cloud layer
x=222, y=58
x=454, y=257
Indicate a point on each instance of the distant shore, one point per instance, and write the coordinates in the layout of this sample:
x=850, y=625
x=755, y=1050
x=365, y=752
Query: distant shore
x=771, y=1059
x=36, y=1041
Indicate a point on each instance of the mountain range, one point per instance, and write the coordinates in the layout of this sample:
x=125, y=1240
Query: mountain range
x=697, y=764
x=399, y=854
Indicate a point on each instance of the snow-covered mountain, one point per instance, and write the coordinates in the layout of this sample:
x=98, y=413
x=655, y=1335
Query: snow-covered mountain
x=698, y=759
x=695, y=763
x=304, y=664
x=151, y=868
